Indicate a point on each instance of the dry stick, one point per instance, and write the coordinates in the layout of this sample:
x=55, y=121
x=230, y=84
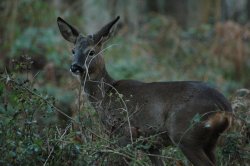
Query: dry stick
x=34, y=77
x=79, y=110
x=161, y=156
x=87, y=75
x=124, y=109
x=83, y=82
x=130, y=116
x=113, y=151
x=125, y=106
x=60, y=139
x=50, y=153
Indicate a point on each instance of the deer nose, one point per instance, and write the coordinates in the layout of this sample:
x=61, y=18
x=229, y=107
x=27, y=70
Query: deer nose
x=74, y=68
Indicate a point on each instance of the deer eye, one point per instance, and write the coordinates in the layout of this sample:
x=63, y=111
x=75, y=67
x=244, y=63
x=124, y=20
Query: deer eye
x=73, y=51
x=91, y=52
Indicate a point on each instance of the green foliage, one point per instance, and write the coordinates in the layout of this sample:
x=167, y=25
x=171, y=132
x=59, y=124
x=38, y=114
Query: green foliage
x=236, y=142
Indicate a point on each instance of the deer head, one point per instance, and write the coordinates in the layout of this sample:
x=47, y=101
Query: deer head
x=87, y=53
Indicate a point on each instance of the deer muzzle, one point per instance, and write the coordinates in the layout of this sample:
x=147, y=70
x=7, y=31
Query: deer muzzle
x=76, y=69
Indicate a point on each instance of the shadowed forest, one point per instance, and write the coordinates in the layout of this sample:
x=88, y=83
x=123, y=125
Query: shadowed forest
x=46, y=120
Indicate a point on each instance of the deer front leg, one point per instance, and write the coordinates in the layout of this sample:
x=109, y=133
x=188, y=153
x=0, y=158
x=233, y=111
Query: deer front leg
x=123, y=141
x=129, y=135
x=154, y=156
x=154, y=152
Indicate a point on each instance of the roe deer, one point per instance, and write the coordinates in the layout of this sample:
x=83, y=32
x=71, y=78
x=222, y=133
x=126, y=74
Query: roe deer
x=163, y=109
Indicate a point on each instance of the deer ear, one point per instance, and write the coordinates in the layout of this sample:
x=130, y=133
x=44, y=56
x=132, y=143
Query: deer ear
x=105, y=32
x=68, y=32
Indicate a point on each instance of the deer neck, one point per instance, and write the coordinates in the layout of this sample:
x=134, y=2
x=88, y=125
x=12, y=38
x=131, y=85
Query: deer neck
x=96, y=86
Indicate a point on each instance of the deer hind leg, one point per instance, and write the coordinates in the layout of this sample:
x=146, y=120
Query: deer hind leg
x=211, y=144
x=196, y=156
x=209, y=149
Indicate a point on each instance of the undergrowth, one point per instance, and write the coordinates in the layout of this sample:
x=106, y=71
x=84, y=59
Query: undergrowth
x=32, y=132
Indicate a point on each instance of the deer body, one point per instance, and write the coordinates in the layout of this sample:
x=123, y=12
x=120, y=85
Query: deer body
x=131, y=109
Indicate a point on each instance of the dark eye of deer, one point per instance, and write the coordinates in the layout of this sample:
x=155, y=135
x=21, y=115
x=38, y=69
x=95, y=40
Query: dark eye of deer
x=91, y=53
x=73, y=51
